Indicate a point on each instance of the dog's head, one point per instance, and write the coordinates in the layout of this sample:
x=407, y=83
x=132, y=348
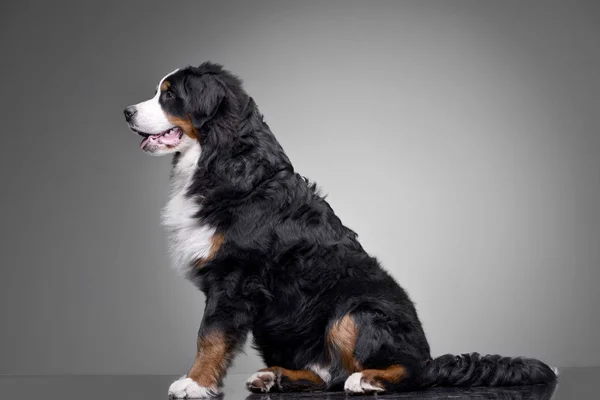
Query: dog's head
x=184, y=101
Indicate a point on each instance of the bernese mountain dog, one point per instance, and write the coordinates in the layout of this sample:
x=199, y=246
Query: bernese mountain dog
x=274, y=260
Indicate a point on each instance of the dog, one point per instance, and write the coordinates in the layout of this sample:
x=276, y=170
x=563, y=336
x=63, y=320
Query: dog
x=274, y=260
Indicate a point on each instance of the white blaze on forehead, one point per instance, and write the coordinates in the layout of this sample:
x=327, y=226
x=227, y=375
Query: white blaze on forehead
x=150, y=117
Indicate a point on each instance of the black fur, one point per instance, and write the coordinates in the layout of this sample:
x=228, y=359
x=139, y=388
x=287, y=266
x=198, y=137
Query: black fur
x=492, y=370
x=288, y=267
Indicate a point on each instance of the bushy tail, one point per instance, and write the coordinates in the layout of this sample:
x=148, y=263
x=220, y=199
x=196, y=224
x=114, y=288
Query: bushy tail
x=491, y=370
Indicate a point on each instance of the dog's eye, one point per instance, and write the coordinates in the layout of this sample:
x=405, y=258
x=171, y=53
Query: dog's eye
x=169, y=95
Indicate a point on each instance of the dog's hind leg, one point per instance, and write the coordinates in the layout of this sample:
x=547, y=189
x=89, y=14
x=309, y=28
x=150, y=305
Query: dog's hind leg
x=278, y=379
x=375, y=356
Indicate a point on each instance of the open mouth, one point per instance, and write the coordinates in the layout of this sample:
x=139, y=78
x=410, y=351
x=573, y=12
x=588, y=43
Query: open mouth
x=169, y=138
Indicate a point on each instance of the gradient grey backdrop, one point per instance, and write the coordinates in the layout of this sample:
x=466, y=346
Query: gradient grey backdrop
x=459, y=139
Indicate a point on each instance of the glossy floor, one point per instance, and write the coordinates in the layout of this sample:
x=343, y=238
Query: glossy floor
x=574, y=383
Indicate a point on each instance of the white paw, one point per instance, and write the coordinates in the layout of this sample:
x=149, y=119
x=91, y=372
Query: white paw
x=355, y=385
x=186, y=388
x=261, y=381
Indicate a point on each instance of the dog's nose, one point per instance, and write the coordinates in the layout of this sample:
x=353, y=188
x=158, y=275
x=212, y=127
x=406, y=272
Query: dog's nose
x=129, y=113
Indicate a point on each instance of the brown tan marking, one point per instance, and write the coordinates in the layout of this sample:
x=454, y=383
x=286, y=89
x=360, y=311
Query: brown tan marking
x=288, y=380
x=211, y=360
x=217, y=241
x=378, y=377
x=165, y=85
x=342, y=336
x=295, y=375
x=185, y=124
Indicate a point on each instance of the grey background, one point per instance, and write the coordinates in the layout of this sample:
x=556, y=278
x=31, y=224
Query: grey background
x=458, y=138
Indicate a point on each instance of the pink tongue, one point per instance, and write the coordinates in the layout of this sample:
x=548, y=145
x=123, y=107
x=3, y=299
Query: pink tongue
x=144, y=142
x=169, y=138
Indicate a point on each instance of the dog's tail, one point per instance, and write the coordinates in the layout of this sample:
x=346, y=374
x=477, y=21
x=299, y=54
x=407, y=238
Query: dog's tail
x=490, y=370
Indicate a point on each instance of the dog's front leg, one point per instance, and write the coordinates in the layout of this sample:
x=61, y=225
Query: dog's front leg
x=222, y=333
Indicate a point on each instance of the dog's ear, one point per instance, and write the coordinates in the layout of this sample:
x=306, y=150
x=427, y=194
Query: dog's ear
x=205, y=96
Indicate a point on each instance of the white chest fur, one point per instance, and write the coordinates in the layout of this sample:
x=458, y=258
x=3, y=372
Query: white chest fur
x=188, y=239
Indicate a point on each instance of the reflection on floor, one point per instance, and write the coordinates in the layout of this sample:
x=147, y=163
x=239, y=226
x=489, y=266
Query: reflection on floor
x=574, y=383
x=538, y=392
